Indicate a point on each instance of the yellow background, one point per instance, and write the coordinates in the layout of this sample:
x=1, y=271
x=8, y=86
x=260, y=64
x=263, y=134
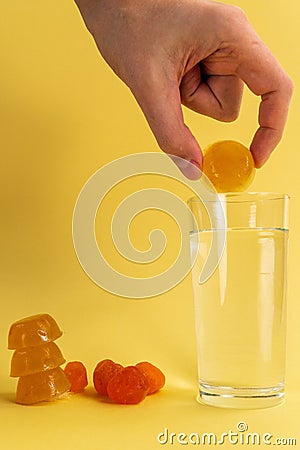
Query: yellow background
x=64, y=115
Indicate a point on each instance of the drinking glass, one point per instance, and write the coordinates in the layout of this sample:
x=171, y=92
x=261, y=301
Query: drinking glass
x=240, y=310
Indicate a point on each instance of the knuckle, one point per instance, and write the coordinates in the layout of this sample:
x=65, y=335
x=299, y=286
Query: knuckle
x=229, y=115
x=235, y=21
x=289, y=85
x=285, y=86
x=236, y=12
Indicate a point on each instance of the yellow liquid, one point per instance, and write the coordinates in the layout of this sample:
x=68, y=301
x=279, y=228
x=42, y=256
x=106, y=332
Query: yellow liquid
x=241, y=313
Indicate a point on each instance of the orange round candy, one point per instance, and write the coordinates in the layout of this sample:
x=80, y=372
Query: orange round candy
x=77, y=376
x=153, y=374
x=128, y=387
x=229, y=166
x=103, y=372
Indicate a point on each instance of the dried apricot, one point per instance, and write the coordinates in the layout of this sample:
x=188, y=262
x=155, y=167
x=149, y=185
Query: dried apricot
x=154, y=375
x=129, y=386
x=103, y=372
x=77, y=376
x=229, y=166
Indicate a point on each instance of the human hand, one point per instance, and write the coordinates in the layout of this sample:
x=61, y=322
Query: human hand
x=198, y=53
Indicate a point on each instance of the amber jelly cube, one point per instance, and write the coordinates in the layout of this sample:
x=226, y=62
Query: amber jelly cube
x=29, y=360
x=32, y=331
x=42, y=386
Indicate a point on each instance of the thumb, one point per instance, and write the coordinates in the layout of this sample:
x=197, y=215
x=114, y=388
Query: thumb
x=159, y=99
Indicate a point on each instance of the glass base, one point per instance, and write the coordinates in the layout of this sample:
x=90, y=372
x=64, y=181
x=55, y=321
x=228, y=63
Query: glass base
x=241, y=398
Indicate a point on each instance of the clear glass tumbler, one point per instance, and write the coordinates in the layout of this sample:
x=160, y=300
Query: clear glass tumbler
x=240, y=309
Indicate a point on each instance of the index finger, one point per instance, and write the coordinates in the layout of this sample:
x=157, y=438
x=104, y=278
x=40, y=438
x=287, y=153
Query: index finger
x=264, y=76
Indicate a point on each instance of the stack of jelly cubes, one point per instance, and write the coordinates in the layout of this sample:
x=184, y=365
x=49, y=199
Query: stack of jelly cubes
x=37, y=359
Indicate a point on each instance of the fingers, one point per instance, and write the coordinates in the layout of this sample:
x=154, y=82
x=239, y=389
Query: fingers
x=273, y=112
x=159, y=98
x=265, y=77
x=216, y=96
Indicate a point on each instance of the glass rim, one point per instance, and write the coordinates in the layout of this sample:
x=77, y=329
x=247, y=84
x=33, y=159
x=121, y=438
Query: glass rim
x=242, y=197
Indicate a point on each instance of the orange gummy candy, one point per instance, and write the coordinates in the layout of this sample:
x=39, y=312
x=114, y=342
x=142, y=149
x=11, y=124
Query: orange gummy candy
x=76, y=373
x=42, y=386
x=36, y=359
x=229, y=166
x=128, y=386
x=153, y=374
x=103, y=372
x=33, y=331
x=27, y=361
